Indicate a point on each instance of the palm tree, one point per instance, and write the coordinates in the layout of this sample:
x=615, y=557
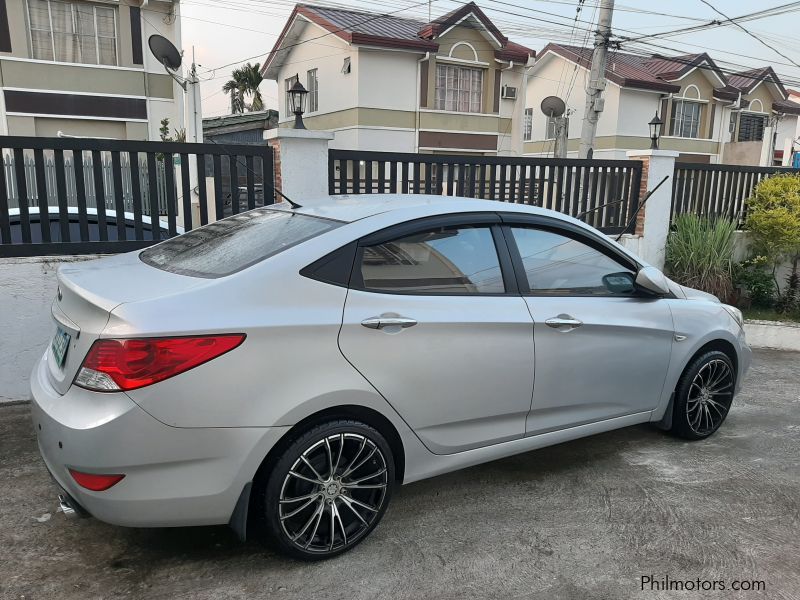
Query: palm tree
x=244, y=82
x=235, y=87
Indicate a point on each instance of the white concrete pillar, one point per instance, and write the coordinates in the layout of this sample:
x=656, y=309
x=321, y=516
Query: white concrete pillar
x=657, y=165
x=301, y=162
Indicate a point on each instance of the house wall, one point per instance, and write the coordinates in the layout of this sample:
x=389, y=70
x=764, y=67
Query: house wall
x=386, y=103
x=337, y=91
x=75, y=100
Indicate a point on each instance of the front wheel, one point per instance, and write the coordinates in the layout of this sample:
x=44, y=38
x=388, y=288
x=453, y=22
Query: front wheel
x=703, y=396
x=328, y=490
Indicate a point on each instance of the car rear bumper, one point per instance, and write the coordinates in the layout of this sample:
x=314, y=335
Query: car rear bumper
x=173, y=476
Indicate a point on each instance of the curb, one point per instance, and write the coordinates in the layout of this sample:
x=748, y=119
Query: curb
x=778, y=335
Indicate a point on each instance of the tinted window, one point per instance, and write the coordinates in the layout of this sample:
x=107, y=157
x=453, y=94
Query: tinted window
x=444, y=260
x=561, y=265
x=232, y=244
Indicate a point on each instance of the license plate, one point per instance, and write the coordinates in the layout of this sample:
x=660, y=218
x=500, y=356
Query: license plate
x=60, y=345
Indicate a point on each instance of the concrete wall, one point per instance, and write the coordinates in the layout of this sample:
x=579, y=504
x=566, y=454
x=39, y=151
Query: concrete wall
x=27, y=289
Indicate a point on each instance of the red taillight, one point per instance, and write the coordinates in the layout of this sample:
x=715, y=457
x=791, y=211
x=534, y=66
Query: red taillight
x=95, y=482
x=127, y=364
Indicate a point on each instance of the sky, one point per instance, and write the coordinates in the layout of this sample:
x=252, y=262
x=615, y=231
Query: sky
x=239, y=31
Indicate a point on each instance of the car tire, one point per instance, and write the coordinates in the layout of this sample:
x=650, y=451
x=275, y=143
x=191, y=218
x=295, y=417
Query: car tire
x=703, y=396
x=326, y=491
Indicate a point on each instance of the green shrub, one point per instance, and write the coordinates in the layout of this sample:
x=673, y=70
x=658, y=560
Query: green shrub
x=755, y=277
x=773, y=220
x=700, y=254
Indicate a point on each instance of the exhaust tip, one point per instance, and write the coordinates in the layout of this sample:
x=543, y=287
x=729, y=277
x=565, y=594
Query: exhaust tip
x=66, y=508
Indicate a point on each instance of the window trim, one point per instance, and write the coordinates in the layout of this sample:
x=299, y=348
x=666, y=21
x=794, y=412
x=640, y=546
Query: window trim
x=470, y=67
x=313, y=91
x=567, y=230
x=114, y=8
x=481, y=219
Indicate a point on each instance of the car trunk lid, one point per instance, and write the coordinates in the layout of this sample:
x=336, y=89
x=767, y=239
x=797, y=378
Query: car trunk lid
x=87, y=293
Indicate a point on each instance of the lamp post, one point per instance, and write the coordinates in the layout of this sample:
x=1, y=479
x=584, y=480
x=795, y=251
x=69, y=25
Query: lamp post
x=655, y=131
x=297, y=97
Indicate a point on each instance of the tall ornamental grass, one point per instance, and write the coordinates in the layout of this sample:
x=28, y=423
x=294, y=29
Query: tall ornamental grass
x=700, y=254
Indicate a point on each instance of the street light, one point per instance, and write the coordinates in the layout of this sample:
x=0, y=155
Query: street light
x=655, y=131
x=297, y=96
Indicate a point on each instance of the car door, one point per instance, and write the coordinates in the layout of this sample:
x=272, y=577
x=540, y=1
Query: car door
x=602, y=346
x=438, y=327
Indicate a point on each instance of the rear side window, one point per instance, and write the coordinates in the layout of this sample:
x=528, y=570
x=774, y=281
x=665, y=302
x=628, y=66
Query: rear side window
x=451, y=260
x=235, y=243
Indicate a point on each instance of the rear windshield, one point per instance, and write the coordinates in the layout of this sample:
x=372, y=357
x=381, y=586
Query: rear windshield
x=235, y=243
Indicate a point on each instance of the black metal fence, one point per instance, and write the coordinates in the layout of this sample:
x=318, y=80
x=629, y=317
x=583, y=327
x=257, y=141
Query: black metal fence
x=717, y=190
x=603, y=193
x=81, y=196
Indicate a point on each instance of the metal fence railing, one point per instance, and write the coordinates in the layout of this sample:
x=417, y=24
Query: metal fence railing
x=12, y=187
x=717, y=190
x=78, y=195
x=603, y=193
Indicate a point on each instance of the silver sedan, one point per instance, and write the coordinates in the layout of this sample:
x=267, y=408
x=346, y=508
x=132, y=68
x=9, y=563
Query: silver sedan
x=285, y=369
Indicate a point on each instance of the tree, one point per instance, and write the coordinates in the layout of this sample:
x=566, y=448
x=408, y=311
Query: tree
x=244, y=82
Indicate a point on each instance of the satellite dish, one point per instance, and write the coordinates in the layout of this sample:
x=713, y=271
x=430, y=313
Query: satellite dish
x=165, y=52
x=553, y=106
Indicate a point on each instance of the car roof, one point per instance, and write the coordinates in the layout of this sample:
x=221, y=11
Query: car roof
x=354, y=207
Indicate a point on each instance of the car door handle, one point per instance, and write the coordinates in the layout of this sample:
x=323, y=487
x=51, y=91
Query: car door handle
x=563, y=321
x=381, y=322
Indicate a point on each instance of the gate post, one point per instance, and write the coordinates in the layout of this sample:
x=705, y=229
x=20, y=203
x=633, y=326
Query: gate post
x=652, y=222
x=300, y=162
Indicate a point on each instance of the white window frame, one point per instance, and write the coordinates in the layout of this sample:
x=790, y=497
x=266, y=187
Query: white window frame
x=527, y=125
x=312, y=75
x=72, y=4
x=441, y=93
x=679, y=116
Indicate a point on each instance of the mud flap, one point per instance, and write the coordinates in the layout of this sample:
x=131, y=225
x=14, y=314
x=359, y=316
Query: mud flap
x=238, y=521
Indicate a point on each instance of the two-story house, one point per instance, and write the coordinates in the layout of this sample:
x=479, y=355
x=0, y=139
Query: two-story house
x=83, y=68
x=389, y=83
x=709, y=116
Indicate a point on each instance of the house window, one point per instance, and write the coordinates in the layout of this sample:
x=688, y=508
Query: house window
x=459, y=89
x=346, y=66
x=288, y=98
x=685, y=120
x=313, y=90
x=73, y=32
x=751, y=127
x=527, y=125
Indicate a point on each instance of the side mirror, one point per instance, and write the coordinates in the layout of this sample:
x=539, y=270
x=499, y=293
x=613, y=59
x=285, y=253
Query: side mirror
x=620, y=283
x=652, y=280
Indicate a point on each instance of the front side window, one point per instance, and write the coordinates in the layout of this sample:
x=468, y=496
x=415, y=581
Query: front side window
x=73, y=32
x=288, y=83
x=459, y=89
x=445, y=260
x=313, y=90
x=527, y=126
x=559, y=265
x=224, y=247
x=751, y=127
x=686, y=119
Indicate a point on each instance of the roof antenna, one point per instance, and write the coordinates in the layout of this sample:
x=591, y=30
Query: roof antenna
x=291, y=202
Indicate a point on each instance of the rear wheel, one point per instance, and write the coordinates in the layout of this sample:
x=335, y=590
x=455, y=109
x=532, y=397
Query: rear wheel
x=703, y=396
x=328, y=490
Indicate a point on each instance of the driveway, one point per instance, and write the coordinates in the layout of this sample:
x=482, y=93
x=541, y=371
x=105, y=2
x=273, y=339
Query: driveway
x=584, y=520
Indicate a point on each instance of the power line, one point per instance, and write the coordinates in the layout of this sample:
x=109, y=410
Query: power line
x=752, y=35
x=339, y=30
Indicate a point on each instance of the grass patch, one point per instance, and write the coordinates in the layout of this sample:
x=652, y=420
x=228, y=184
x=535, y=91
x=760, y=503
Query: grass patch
x=768, y=314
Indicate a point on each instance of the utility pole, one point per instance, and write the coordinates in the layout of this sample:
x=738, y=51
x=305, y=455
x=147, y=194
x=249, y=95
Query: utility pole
x=597, y=79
